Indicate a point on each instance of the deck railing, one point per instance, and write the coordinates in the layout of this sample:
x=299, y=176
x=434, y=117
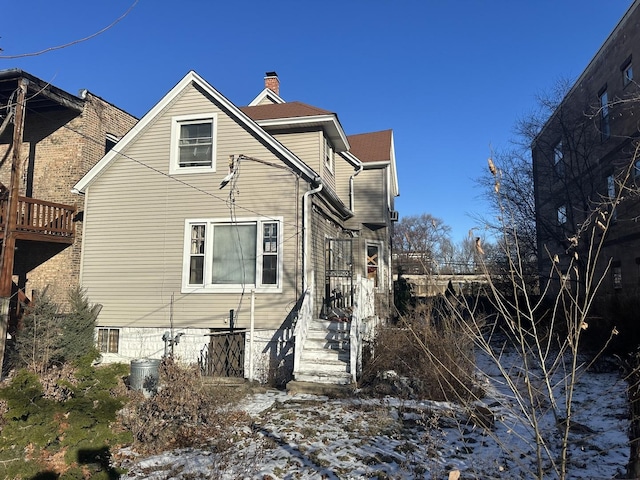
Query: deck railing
x=41, y=217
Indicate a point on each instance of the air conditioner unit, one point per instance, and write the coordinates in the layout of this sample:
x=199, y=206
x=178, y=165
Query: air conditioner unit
x=393, y=215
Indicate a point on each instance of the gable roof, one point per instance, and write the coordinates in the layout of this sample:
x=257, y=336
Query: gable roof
x=372, y=147
x=298, y=114
x=376, y=149
x=193, y=78
x=266, y=94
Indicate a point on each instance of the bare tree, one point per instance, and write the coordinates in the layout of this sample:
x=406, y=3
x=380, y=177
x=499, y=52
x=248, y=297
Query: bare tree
x=419, y=242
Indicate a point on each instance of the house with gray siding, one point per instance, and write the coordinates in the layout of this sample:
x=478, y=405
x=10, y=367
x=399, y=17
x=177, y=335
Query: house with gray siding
x=231, y=236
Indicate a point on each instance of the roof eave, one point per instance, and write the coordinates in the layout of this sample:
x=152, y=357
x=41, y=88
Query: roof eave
x=191, y=77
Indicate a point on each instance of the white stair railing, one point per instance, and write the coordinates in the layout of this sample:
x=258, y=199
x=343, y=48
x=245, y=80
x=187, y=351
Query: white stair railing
x=305, y=317
x=364, y=307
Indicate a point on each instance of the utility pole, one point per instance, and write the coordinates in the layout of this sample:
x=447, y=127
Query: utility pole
x=11, y=216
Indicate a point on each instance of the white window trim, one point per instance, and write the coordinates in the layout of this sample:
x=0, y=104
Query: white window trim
x=208, y=257
x=99, y=344
x=381, y=262
x=174, y=161
x=329, y=163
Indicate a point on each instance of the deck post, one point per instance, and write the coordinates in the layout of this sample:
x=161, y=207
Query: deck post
x=9, y=243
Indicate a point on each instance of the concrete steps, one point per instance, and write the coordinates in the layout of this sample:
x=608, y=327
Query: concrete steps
x=325, y=355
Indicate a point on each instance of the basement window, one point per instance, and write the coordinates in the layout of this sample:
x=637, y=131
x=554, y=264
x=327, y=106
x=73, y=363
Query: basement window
x=108, y=340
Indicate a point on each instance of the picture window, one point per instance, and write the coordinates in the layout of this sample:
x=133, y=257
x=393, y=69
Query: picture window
x=227, y=257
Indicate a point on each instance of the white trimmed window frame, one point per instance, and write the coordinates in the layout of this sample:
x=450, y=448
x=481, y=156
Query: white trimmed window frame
x=107, y=337
x=208, y=286
x=176, y=123
x=328, y=154
x=381, y=264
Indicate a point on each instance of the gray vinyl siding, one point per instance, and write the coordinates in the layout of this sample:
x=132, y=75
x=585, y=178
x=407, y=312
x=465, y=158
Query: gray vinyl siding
x=370, y=201
x=135, y=220
x=305, y=145
x=309, y=147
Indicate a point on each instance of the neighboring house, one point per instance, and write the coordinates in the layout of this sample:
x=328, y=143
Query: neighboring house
x=61, y=136
x=237, y=235
x=584, y=155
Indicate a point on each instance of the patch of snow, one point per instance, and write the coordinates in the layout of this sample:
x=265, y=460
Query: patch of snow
x=311, y=437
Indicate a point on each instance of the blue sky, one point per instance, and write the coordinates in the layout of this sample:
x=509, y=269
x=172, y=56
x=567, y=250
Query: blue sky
x=449, y=77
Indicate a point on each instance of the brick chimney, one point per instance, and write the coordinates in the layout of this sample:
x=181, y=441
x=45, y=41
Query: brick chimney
x=272, y=83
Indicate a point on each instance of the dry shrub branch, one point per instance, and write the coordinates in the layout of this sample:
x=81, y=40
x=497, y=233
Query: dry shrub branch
x=426, y=355
x=183, y=413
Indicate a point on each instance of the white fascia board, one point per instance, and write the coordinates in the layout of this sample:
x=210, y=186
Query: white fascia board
x=380, y=164
x=266, y=93
x=329, y=120
x=352, y=160
x=394, y=172
x=191, y=77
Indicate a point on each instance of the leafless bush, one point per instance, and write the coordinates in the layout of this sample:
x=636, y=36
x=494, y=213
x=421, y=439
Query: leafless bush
x=183, y=413
x=427, y=355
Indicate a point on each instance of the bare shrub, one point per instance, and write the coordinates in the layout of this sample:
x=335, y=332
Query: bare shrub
x=426, y=355
x=183, y=413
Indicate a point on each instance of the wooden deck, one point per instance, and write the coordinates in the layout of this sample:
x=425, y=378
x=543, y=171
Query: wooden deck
x=39, y=220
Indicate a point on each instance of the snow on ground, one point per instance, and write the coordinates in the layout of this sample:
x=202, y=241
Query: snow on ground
x=315, y=437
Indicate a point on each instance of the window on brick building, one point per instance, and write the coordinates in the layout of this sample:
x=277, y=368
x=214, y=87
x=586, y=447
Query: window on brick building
x=110, y=142
x=627, y=72
x=558, y=159
x=562, y=215
x=611, y=194
x=605, y=128
x=616, y=275
x=108, y=340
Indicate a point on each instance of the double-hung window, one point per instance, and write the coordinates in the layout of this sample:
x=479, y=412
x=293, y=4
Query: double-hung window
x=193, y=143
x=224, y=256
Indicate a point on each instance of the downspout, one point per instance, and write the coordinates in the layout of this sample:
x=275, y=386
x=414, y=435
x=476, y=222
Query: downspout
x=306, y=236
x=351, y=190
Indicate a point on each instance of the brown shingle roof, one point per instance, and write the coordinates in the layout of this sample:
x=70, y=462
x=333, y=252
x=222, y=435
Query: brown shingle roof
x=371, y=147
x=283, y=110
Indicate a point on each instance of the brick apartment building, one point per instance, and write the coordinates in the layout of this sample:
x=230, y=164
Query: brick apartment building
x=585, y=157
x=64, y=135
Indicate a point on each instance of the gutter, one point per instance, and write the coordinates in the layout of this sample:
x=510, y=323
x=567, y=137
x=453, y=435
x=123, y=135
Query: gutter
x=306, y=235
